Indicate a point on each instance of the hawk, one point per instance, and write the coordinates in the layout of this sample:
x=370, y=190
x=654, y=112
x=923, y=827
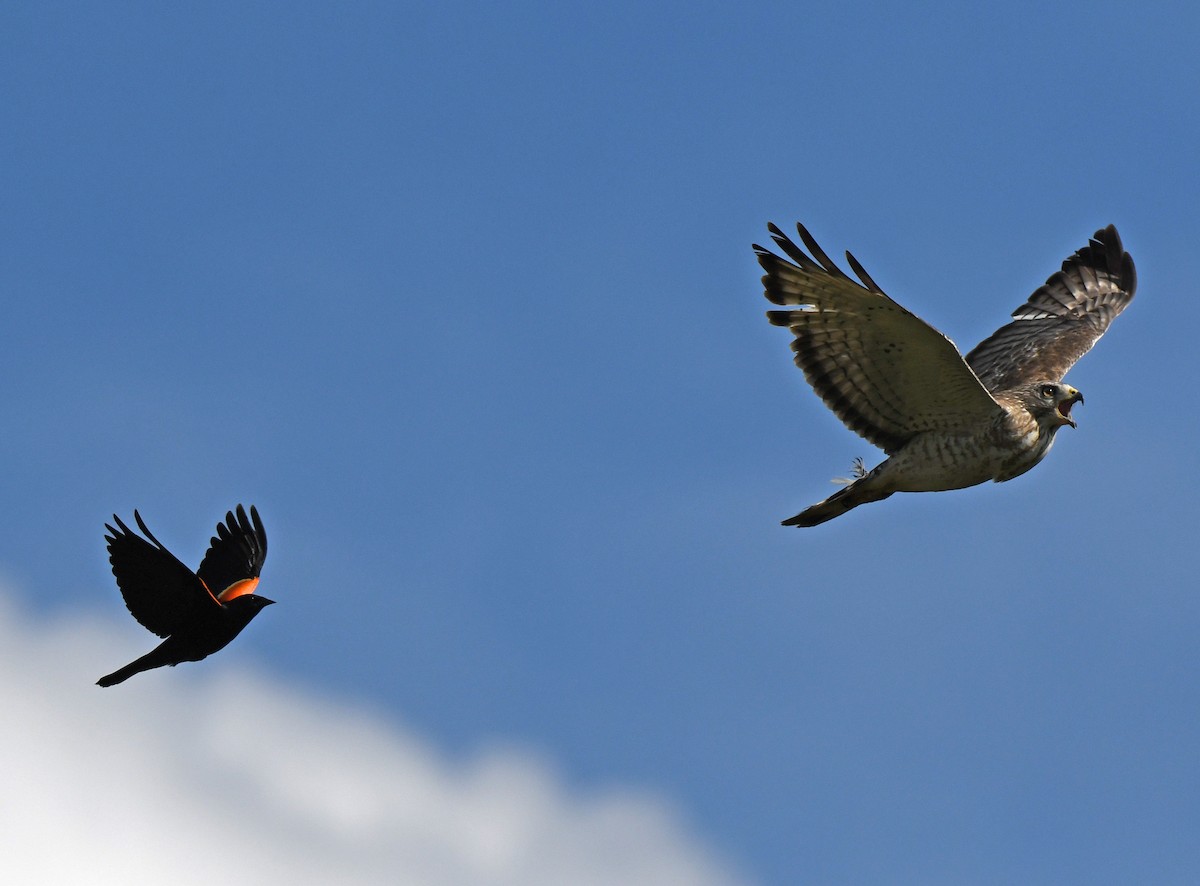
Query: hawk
x=945, y=421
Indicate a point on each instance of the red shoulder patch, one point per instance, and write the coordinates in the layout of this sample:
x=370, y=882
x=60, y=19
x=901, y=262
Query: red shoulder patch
x=237, y=589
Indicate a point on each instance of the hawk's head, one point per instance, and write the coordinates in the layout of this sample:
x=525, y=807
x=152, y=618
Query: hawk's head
x=1051, y=402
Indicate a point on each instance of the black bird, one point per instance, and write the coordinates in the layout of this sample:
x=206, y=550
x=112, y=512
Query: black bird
x=197, y=612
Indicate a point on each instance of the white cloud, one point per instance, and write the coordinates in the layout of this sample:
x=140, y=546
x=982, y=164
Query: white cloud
x=224, y=776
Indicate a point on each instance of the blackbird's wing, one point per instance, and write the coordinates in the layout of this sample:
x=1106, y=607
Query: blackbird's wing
x=235, y=556
x=159, y=590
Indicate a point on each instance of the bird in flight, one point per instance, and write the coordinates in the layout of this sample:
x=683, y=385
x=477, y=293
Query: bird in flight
x=945, y=421
x=196, y=612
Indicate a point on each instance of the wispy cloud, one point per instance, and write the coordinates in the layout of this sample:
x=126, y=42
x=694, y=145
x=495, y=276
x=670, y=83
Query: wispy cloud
x=221, y=775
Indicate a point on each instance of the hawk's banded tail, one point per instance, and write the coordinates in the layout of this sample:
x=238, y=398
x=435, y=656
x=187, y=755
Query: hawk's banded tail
x=846, y=498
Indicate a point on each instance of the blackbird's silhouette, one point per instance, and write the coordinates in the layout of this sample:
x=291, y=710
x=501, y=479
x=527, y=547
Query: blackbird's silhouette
x=197, y=612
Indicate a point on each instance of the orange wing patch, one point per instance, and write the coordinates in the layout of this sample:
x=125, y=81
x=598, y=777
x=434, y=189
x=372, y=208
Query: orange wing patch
x=237, y=589
x=209, y=592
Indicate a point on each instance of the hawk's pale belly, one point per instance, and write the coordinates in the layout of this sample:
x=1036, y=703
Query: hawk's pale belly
x=935, y=462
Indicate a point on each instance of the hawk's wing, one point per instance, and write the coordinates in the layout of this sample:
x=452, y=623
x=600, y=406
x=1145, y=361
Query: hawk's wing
x=886, y=373
x=159, y=590
x=1062, y=319
x=235, y=556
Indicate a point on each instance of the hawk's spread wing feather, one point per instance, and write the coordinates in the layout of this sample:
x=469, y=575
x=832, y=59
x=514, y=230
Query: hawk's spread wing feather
x=886, y=373
x=235, y=555
x=159, y=590
x=1062, y=319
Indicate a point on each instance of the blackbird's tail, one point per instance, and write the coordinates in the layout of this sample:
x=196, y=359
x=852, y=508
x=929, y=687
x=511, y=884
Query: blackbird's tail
x=118, y=676
x=145, y=663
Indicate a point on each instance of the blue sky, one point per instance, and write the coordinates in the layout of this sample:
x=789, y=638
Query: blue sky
x=461, y=296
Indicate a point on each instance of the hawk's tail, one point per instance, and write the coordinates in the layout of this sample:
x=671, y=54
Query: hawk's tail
x=857, y=493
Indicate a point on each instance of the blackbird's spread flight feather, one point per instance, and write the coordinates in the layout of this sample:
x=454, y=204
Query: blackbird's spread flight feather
x=159, y=590
x=236, y=553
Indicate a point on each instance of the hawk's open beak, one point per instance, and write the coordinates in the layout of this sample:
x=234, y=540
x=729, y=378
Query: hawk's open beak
x=1064, y=407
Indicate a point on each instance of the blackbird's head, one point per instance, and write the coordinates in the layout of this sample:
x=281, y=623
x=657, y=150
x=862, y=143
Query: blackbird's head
x=248, y=605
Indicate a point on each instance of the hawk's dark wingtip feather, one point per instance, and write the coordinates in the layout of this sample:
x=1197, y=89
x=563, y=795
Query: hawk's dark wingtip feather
x=818, y=253
x=818, y=261
x=1119, y=262
x=790, y=249
x=772, y=264
x=862, y=274
x=779, y=318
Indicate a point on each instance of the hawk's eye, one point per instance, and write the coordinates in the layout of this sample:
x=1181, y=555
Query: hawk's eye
x=1048, y=391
